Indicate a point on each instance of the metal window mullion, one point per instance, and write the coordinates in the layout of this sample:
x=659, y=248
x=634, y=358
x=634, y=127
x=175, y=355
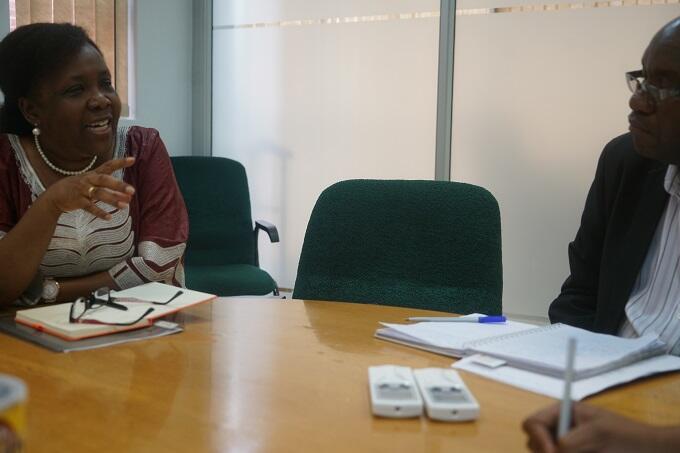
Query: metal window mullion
x=447, y=17
x=202, y=79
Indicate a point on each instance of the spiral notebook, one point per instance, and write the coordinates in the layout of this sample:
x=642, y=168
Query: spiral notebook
x=543, y=350
x=538, y=349
x=450, y=339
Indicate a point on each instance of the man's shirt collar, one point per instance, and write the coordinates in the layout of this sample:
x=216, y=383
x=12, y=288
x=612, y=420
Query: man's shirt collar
x=671, y=182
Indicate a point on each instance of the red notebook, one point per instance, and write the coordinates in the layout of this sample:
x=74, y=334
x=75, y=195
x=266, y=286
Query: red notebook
x=54, y=319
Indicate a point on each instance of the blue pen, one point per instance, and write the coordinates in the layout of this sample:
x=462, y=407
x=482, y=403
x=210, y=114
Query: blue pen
x=480, y=319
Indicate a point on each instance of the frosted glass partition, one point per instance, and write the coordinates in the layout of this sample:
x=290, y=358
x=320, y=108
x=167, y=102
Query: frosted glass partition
x=536, y=97
x=306, y=94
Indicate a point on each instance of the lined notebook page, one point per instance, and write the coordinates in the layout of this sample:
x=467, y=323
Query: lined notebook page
x=545, y=349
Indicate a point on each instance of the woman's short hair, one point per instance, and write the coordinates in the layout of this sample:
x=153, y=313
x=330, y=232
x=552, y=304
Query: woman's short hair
x=29, y=55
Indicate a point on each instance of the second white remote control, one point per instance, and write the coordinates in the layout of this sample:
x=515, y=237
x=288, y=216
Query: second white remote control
x=446, y=396
x=394, y=392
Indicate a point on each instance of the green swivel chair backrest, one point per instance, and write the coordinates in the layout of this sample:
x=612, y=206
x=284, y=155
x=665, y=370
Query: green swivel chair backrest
x=421, y=244
x=215, y=191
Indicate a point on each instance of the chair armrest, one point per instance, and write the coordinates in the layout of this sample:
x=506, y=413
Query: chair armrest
x=269, y=228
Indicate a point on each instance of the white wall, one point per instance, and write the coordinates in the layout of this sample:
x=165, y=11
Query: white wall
x=536, y=97
x=163, y=64
x=305, y=106
x=163, y=37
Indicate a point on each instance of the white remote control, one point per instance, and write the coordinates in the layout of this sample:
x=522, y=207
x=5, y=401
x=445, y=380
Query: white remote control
x=446, y=396
x=394, y=392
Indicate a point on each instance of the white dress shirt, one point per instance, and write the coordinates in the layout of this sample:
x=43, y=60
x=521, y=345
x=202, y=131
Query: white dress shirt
x=654, y=303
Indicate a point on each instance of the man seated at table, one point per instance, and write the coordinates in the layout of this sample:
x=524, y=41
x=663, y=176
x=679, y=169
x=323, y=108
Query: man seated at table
x=598, y=430
x=625, y=259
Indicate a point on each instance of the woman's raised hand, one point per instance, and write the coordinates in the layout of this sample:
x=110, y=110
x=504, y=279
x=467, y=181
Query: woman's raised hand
x=82, y=191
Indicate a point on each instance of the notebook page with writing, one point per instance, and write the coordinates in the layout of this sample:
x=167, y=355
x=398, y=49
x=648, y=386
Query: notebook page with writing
x=544, y=350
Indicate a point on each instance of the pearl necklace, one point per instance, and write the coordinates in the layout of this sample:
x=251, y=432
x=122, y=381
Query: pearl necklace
x=36, y=132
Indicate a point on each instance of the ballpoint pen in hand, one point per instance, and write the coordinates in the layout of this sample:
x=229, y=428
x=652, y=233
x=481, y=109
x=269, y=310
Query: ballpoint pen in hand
x=475, y=318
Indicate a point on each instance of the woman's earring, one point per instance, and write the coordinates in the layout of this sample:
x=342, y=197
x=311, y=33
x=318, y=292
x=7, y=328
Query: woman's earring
x=36, y=131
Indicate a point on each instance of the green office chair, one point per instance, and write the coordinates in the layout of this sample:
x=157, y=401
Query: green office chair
x=423, y=244
x=221, y=256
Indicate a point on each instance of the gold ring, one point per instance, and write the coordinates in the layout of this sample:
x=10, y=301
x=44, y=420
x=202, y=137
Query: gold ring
x=90, y=191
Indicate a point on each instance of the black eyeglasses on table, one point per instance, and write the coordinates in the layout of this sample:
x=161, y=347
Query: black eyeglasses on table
x=102, y=298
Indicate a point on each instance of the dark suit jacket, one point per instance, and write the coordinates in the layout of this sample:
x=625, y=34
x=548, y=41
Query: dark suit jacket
x=619, y=220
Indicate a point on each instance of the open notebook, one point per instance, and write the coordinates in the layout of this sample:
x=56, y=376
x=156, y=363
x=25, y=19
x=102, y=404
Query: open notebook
x=54, y=319
x=523, y=346
x=544, y=350
x=554, y=386
x=450, y=339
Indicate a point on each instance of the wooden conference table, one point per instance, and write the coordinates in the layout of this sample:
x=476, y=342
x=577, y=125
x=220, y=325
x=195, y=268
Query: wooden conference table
x=253, y=375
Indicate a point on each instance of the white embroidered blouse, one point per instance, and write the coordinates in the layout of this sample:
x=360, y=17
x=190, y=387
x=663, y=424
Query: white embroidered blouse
x=143, y=242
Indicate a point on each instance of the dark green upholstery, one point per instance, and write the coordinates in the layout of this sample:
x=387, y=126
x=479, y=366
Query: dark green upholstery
x=230, y=279
x=421, y=244
x=221, y=256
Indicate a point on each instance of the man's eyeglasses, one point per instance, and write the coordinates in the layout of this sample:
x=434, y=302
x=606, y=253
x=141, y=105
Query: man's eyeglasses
x=637, y=81
x=102, y=298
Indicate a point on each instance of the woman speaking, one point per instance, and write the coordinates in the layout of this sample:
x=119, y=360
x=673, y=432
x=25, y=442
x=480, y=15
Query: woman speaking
x=83, y=203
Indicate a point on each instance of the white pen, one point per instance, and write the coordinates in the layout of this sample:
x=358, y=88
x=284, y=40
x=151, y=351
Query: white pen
x=564, y=422
x=482, y=319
